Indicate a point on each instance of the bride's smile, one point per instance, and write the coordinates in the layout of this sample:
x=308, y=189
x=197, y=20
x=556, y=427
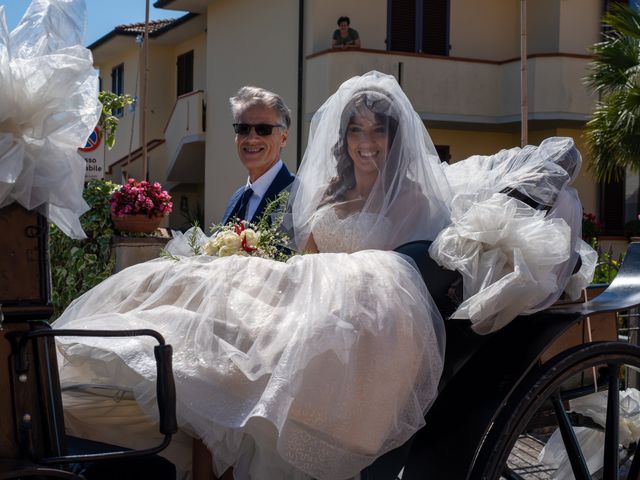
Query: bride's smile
x=367, y=142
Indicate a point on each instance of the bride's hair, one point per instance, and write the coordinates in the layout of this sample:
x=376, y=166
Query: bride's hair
x=381, y=105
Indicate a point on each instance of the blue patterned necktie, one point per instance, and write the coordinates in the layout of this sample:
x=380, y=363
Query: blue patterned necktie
x=242, y=205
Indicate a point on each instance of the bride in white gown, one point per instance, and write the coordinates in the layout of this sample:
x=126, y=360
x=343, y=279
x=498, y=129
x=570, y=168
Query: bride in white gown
x=309, y=368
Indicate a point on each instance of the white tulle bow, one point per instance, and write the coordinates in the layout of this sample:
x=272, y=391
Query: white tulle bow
x=48, y=107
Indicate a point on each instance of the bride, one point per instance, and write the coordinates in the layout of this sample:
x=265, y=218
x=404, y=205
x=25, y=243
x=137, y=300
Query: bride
x=310, y=368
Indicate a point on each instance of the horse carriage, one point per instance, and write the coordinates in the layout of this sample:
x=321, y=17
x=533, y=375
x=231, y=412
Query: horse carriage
x=495, y=390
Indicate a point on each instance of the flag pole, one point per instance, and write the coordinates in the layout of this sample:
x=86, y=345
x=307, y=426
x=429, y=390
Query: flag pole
x=524, y=99
x=145, y=75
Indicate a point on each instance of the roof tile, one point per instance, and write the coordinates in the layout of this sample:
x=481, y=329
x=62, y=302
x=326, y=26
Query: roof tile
x=154, y=26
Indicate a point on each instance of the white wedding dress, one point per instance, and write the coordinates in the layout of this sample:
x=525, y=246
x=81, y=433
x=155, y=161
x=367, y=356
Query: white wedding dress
x=310, y=368
x=317, y=366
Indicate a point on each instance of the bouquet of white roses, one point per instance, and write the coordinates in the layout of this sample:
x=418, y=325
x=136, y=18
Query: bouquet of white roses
x=238, y=237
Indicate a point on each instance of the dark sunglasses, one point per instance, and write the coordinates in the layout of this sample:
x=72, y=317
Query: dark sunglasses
x=262, y=129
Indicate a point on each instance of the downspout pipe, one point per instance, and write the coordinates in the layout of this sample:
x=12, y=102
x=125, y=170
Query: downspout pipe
x=300, y=107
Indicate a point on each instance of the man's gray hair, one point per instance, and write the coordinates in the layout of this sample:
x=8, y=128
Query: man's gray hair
x=248, y=97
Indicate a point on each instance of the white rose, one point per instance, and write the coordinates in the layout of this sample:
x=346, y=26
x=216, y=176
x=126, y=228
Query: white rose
x=251, y=237
x=226, y=251
x=231, y=240
x=211, y=247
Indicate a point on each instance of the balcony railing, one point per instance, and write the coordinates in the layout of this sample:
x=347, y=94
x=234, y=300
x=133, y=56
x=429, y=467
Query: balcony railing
x=185, y=139
x=454, y=89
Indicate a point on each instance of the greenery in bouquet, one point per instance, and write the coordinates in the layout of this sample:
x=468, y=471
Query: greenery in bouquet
x=141, y=198
x=266, y=239
x=239, y=237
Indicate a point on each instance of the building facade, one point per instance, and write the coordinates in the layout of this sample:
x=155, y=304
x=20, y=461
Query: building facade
x=458, y=61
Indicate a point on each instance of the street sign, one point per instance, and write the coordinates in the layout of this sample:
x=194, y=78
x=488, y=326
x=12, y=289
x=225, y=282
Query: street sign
x=93, y=142
x=93, y=154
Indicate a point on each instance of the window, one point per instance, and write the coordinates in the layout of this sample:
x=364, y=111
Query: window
x=117, y=84
x=185, y=73
x=418, y=26
x=612, y=200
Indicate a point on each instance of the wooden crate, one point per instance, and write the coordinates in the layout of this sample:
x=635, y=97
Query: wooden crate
x=25, y=283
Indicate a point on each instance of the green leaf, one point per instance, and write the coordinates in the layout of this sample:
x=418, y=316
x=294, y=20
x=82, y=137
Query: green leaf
x=108, y=122
x=78, y=265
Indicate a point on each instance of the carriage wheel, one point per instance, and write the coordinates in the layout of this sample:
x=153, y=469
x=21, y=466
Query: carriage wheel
x=540, y=405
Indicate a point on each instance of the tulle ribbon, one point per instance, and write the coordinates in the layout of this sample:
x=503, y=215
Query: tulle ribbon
x=48, y=107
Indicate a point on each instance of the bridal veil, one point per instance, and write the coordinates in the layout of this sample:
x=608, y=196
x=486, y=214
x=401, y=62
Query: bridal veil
x=410, y=198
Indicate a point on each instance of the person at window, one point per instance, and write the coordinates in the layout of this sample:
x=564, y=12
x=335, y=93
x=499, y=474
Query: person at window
x=344, y=36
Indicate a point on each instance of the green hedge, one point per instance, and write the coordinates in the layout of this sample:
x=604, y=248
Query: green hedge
x=78, y=265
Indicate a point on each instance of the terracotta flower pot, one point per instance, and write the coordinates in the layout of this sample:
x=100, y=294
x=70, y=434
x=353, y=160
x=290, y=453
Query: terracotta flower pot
x=136, y=223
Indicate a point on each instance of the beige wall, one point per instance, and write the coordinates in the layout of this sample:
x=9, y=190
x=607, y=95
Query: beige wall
x=556, y=85
x=465, y=143
x=162, y=73
x=579, y=25
x=456, y=90
x=264, y=55
x=162, y=90
x=488, y=29
x=125, y=131
x=129, y=134
x=199, y=46
x=157, y=157
x=543, y=24
x=162, y=96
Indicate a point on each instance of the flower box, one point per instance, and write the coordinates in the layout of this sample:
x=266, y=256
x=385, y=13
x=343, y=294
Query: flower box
x=139, y=206
x=136, y=223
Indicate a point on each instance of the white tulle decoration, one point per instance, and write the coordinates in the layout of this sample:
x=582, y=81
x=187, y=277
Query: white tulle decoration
x=48, y=107
x=515, y=232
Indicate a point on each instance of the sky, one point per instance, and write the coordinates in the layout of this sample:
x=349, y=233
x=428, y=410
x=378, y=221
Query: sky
x=102, y=15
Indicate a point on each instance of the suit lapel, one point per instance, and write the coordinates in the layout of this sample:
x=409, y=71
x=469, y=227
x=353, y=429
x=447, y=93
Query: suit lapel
x=232, y=206
x=282, y=180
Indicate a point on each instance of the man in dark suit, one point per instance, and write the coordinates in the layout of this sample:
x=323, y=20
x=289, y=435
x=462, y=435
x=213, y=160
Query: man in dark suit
x=261, y=124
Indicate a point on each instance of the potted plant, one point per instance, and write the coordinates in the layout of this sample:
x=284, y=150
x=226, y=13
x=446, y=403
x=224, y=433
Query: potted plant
x=139, y=206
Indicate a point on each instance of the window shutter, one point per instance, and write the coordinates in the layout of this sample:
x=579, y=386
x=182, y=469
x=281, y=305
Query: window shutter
x=402, y=25
x=434, y=27
x=117, y=85
x=185, y=73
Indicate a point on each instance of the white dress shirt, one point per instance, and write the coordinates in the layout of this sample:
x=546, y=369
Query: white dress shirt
x=260, y=187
